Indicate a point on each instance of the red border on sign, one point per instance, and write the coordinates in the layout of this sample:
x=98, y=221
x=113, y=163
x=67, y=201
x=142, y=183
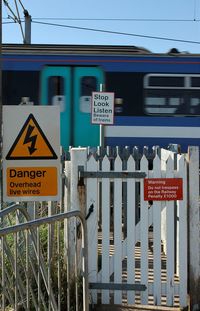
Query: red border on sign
x=163, y=189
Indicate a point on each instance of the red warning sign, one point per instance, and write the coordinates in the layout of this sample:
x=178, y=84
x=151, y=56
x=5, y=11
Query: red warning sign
x=163, y=189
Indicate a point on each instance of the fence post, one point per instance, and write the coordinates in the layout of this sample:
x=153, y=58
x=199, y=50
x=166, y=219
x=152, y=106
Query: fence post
x=73, y=245
x=194, y=228
x=164, y=157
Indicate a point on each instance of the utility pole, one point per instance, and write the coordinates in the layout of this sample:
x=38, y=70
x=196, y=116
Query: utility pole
x=27, y=37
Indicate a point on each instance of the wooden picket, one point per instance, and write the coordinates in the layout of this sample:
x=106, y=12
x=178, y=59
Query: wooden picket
x=131, y=234
x=124, y=250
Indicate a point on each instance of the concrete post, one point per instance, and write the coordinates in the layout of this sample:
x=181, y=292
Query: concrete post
x=27, y=38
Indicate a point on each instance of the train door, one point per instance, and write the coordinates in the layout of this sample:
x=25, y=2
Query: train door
x=71, y=88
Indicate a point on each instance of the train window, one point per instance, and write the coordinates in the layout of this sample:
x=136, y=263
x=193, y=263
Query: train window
x=195, y=81
x=172, y=94
x=195, y=102
x=161, y=105
x=153, y=104
x=175, y=101
x=195, y=106
x=56, y=85
x=56, y=92
x=128, y=89
x=18, y=84
x=155, y=101
x=160, y=81
x=88, y=85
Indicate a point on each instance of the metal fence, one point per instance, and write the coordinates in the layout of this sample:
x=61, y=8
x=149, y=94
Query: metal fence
x=35, y=261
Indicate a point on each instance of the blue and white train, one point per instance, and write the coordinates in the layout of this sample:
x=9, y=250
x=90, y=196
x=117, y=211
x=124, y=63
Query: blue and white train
x=157, y=96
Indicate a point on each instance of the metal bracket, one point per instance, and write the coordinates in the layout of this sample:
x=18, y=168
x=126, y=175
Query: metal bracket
x=118, y=286
x=124, y=174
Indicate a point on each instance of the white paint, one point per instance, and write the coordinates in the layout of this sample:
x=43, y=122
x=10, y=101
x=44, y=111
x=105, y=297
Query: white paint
x=157, y=237
x=118, y=230
x=125, y=248
x=105, y=229
x=92, y=224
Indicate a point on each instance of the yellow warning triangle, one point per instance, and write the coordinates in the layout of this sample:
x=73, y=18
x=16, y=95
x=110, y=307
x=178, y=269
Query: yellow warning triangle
x=31, y=143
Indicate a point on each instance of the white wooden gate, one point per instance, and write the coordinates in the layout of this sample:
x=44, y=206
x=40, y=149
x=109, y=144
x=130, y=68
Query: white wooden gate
x=137, y=249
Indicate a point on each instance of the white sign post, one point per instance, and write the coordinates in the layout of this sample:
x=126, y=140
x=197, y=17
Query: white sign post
x=31, y=153
x=102, y=108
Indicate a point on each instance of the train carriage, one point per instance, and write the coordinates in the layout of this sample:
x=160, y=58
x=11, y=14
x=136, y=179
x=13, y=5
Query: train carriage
x=157, y=96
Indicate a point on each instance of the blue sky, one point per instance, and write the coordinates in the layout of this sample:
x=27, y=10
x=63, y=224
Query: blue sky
x=127, y=22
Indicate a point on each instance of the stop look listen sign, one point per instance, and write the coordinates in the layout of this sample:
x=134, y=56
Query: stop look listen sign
x=102, y=108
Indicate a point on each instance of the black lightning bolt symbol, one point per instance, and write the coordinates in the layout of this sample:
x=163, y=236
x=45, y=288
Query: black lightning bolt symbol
x=31, y=139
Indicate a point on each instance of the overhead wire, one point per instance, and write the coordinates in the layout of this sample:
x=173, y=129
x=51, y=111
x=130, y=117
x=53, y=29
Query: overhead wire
x=16, y=18
x=5, y=23
x=36, y=20
x=116, y=32
x=22, y=5
x=195, y=9
x=111, y=32
x=117, y=19
x=9, y=8
x=19, y=20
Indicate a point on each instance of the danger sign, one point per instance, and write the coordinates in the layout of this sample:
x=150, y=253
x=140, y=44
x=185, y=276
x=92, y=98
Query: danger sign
x=163, y=189
x=31, y=151
x=31, y=143
x=31, y=181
